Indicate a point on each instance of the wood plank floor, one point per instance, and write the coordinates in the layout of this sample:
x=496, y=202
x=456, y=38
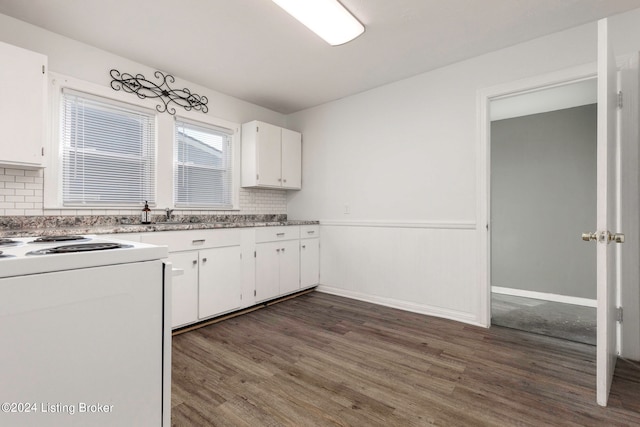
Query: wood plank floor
x=322, y=360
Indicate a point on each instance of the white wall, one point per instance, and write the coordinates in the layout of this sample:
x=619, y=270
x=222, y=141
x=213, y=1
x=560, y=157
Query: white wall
x=24, y=193
x=406, y=153
x=543, y=181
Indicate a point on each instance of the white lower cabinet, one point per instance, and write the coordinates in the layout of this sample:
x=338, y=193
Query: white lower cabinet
x=289, y=267
x=219, y=281
x=309, y=262
x=221, y=271
x=184, y=288
x=267, y=283
x=277, y=269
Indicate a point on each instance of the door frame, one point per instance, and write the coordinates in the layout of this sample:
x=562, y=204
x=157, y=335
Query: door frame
x=483, y=164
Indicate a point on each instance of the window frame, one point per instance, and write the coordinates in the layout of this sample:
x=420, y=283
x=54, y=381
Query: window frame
x=231, y=134
x=149, y=161
x=164, y=186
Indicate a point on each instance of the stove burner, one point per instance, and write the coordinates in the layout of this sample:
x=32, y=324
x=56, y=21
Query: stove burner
x=8, y=242
x=63, y=238
x=81, y=247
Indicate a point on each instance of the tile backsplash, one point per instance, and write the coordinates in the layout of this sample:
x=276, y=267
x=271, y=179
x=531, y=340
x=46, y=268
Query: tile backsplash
x=21, y=193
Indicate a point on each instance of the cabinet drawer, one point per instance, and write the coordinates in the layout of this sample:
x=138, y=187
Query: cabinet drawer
x=309, y=231
x=194, y=239
x=272, y=234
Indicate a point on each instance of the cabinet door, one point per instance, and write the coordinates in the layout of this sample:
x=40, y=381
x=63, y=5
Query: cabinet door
x=309, y=262
x=184, y=288
x=267, y=270
x=219, y=281
x=291, y=159
x=289, y=266
x=23, y=85
x=268, y=151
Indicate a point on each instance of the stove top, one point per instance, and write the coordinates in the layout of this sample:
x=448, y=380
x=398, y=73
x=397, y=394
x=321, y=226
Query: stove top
x=80, y=247
x=61, y=238
x=3, y=255
x=29, y=255
x=8, y=242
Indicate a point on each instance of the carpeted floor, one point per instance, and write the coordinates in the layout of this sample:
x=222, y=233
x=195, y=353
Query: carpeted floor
x=567, y=321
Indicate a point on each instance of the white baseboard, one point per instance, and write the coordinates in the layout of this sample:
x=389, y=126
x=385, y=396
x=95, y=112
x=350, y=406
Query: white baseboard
x=403, y=305
x=545, y=296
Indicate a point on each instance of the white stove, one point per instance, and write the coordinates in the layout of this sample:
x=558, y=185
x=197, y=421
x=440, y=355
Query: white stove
x=85, y=328
x=32, y=255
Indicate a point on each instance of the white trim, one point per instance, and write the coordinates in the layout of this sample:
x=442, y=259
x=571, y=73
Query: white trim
x=586, y=302
x=452, y=225
x=428, y=310
x=483, y=167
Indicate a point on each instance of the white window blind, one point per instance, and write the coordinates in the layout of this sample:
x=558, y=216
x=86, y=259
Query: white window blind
x=203, y=166
x=108, y=152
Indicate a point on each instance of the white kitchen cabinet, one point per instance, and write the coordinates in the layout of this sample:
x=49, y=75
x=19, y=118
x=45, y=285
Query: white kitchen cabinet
x=309, y=262
x=23, y=85
x=277, y=269
x=210, y=282
x=277, y=261
x=291, y=156
x=267, y=271
x=224, y=270
x=219, y=281
x=271, y=156
x=289, y=267
x=184, y=288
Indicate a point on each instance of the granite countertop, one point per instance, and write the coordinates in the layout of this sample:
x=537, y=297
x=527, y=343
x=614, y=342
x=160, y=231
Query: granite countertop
x=48, y=225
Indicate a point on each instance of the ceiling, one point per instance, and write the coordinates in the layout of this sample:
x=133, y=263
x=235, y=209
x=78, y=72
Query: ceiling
x=255, y=51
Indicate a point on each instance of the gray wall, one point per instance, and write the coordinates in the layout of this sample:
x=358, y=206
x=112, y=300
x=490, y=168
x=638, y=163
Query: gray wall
x=543, y=196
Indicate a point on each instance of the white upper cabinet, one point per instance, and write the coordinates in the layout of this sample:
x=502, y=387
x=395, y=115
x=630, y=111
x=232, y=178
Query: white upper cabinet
x=271, y=156
x=291, y=148
x=23, y=95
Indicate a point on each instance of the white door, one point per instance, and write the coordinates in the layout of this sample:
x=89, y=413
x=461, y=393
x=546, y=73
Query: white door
x=267, y=270
x=289, y=266
x=291, y=159
x=606, y=214
x=269, y=155
x=309, y=262
x=219, y=281
x=184, y=289
x=23, y=85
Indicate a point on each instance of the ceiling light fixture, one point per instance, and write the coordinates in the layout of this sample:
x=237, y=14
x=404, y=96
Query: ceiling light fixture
x=327, y=18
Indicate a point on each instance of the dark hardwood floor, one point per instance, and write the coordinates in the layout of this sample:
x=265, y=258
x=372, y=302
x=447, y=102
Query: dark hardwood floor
x=322, y=360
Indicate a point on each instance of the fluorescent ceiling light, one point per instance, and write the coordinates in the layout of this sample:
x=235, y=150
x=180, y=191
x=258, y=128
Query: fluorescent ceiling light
x=327, y=18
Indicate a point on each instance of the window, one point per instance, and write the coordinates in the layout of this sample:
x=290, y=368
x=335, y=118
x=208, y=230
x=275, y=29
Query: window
x=203, y=175
x=108, y=152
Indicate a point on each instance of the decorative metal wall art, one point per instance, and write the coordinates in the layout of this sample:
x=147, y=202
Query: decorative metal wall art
x=144, y=88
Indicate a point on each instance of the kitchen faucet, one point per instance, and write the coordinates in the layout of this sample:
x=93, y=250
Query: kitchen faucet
x=169, y=212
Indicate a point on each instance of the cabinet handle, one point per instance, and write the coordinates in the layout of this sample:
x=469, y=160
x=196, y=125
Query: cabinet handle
x=195, y=261
x=198, y=242
x=284, y=180
x=204, y=260
x=311, y=232
x=277, y=250
x=304, y=246
x=280, y=234
x=279, y=180
x=282, y=249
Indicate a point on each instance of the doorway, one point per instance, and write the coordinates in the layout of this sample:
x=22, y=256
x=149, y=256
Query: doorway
x=542, y=185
